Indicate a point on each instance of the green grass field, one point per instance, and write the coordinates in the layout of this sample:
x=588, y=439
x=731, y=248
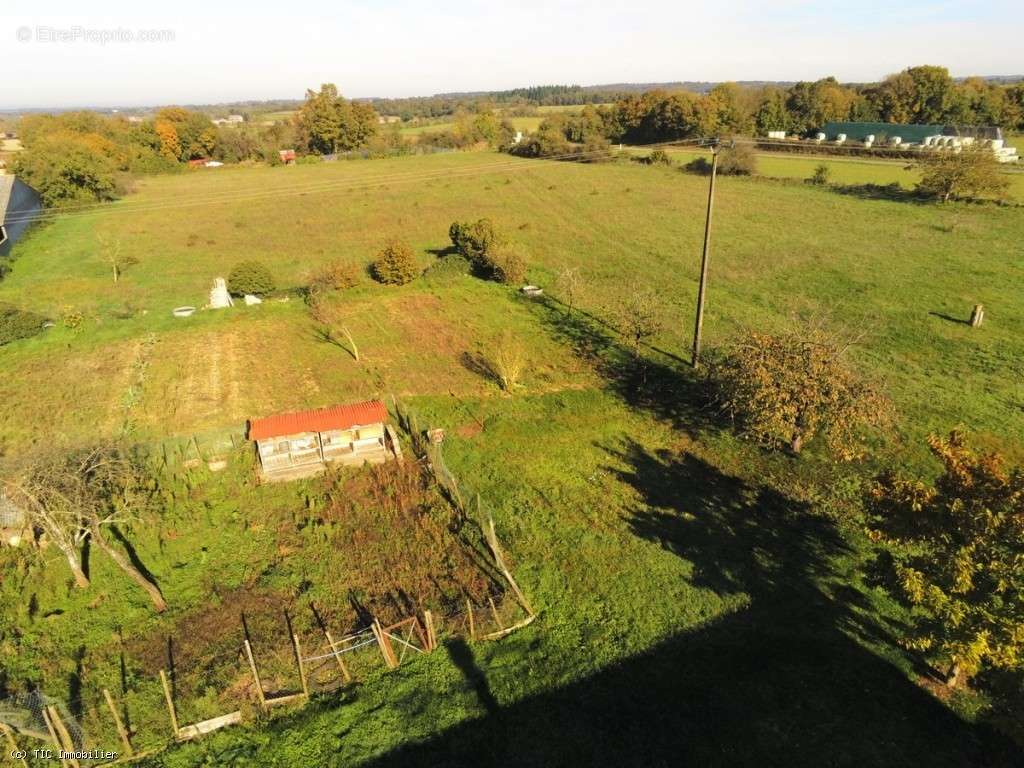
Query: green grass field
x=842, y=170
x=700, y=600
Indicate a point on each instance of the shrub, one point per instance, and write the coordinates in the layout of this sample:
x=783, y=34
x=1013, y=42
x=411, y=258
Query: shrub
x=336, y=276
x=785, y=390
x=475, y=240
x=738, y=160
x=659, y=157
x=18, y=324
x=251, y=277
x=72, y=318
x=507, y=264
x=508, y=361
x=972, y=172
x=395, y=264
x=820, y=176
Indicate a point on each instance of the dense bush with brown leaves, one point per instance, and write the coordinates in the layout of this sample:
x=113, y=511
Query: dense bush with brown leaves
x=400, y=547
x=785, y=390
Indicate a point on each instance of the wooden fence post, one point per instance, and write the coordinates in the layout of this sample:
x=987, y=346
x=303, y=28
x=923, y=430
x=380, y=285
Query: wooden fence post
x=63, y=736
x=494, y=611
x=977, y=316
x=472, y=627
x=170, y=702
x=49, y=728
x=428, y=621
x=255, y=675
x=302, y=669
x=337, y=656
x=385, y=645
x=499, y=559
x=117, y=721
x=12, y=743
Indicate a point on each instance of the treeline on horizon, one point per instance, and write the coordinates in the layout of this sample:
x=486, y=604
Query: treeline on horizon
x=77, y=157
x=921, y=95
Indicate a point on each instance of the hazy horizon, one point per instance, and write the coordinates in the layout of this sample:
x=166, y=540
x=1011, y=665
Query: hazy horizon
x=75, y=57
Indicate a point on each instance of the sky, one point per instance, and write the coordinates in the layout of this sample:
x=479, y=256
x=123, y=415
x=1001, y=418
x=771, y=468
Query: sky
x=95, y=54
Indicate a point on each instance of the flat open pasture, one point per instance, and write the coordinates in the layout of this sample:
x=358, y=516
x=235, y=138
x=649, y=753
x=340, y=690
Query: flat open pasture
x=843, y=170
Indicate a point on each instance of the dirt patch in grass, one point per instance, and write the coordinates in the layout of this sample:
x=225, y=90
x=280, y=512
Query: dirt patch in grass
x=202, y=638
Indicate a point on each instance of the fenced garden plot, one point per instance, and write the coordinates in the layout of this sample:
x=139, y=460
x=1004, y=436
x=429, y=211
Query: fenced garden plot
x=346, y=576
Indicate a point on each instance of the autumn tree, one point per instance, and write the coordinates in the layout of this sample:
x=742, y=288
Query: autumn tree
x=784, y=390
x=957, y=556
x=79, y=496
x=971, y=172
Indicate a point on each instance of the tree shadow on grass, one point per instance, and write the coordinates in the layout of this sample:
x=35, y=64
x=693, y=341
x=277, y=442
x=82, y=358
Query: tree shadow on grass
x=892, y=192
x=660, y=382
x=782, y=682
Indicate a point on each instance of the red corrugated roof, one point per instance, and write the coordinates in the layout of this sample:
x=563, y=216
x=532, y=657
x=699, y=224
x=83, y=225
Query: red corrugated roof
x=320, y=420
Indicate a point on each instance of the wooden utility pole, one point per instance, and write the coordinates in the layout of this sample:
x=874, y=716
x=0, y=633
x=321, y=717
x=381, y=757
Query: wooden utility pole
x=701, y=291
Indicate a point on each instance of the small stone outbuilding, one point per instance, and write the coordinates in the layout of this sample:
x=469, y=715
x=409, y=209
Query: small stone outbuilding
x=301, y=444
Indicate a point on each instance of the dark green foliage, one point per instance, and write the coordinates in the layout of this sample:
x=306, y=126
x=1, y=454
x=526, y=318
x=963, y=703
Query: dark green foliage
x=820, y=175
x=332, y=123
x=396, y=264
x=475, y=240
x=252, y=277
x=18, y=324
x=70, y=170
x=487, y=250
x=659, y=157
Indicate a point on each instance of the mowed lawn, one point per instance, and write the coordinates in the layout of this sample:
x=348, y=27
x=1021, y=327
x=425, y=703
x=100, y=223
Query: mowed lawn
x=904, y=273
x=696, y=604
